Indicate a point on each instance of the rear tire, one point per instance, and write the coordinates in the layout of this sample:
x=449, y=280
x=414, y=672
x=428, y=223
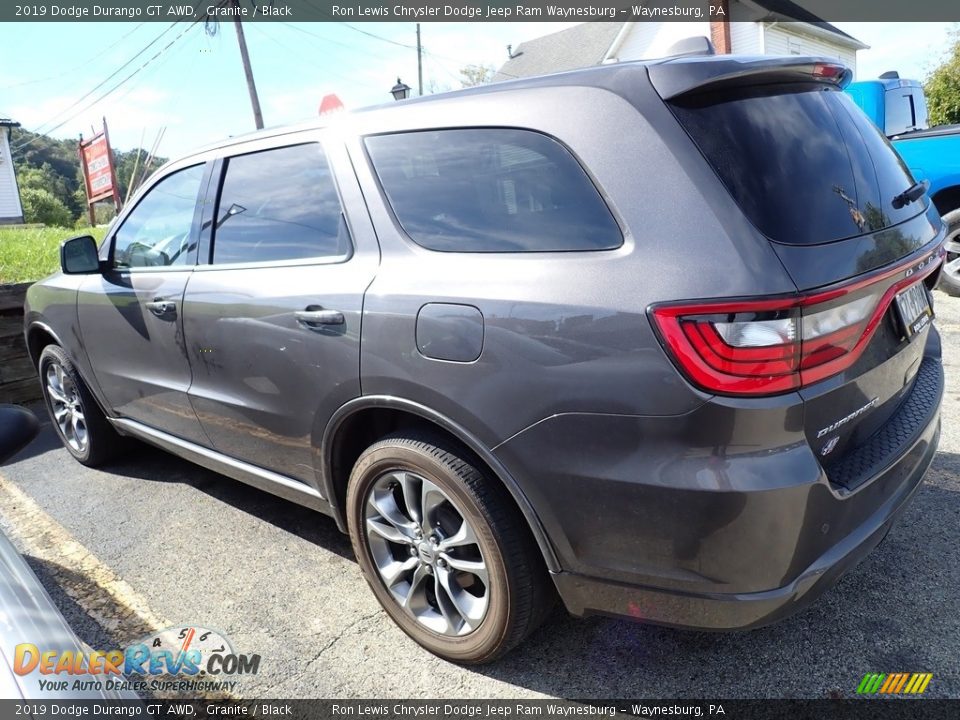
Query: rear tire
x=444, y=549
x=950, y=275
x=75, y=414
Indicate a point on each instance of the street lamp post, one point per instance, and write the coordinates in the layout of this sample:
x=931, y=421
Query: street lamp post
x=400, y=91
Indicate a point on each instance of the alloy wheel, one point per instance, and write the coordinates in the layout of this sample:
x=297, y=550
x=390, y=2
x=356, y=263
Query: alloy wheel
x=426, y=553
x=952, y=265
x=67, y=407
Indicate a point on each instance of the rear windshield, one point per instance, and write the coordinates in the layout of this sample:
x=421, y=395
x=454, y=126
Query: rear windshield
x=803, y=162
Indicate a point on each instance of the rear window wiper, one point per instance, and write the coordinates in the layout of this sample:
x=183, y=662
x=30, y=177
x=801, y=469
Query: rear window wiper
x=911, y=194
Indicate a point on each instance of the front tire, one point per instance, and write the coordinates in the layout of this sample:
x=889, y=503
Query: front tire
x=75, y=414
x=950, y=275
x=444, y=549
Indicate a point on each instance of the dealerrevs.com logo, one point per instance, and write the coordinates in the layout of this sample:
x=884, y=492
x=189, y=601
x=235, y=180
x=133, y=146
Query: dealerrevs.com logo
x=184, y=658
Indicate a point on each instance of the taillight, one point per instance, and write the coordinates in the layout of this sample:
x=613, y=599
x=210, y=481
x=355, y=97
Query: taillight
x=828, y=70
x=774, y=345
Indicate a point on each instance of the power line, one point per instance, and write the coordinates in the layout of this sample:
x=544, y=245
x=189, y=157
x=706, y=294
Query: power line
x=77, y=66
x=99, y=85
x=112, y=89
x=352, y=48
x=259, y=28
x=379, y=37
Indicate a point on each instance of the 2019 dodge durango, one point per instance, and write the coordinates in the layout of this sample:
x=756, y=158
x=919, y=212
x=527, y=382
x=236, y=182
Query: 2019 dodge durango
x=654, y=338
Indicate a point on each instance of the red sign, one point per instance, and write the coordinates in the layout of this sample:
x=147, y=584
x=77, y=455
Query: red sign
x=330, y=104
x=97, y=168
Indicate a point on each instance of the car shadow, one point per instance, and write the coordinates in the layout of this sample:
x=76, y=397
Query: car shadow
x=146, y=462
x=55, y=578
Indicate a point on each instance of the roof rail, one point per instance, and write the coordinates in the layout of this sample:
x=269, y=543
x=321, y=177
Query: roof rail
x=691, y=47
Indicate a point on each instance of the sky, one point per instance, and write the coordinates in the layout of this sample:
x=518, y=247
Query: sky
x=192, y=83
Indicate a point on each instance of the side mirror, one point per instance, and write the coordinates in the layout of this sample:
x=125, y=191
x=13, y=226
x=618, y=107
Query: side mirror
x=79, y=256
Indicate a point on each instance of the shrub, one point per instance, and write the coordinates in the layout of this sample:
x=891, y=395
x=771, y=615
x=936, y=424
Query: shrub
x=40, y=206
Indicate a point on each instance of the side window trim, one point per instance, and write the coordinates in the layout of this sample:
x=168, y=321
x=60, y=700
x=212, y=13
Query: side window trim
x=211, y=201
x=215, y=193
x=199, y=203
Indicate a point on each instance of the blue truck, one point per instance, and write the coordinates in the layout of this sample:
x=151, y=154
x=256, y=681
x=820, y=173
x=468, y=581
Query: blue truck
x=898, y=107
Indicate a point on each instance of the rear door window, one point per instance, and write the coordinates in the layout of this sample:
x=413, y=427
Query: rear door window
x=803, y=162
x=279, y=204
x=491, y=190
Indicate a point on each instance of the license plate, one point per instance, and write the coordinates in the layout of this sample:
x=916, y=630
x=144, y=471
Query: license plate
x=914, y=309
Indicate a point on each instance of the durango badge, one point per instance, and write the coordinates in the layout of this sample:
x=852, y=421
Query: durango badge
x=844, y=420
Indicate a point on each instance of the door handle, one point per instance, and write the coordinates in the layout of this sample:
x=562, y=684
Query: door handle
x=161, y=307
x=315, y=317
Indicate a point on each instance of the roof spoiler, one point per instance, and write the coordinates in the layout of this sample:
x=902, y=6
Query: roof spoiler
x=890, y=75
x=673, y=77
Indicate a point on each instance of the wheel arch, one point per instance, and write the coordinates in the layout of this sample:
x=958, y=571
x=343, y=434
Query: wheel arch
x=947, y=199
x=39, y=335
x=360, y=422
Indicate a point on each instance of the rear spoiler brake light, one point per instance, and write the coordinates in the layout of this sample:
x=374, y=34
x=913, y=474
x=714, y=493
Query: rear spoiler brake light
x=681, y=76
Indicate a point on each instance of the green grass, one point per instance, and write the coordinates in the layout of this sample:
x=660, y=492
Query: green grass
x=32, y=253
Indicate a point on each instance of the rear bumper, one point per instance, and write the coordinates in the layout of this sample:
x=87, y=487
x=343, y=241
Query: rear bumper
x=741, y=611
x=654, y=519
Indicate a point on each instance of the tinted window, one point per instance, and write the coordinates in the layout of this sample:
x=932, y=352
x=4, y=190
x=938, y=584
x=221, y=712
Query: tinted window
x=805, y=164
x=906, y=110
x=158, y=232
x=491, y=190
x=899, y=111
x=279, y=205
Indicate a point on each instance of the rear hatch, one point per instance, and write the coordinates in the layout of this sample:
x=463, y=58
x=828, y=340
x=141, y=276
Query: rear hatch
x=851, y=227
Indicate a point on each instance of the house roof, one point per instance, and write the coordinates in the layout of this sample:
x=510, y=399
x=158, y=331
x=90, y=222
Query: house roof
x=5, y=122
x=786, y=10
x=588, y=43
x=580, y=46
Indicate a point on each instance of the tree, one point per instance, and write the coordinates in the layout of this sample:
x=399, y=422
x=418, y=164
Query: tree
x=54, y=166
x=41, y=206
x=434, y=86
x=473, y=75
x=943, y=87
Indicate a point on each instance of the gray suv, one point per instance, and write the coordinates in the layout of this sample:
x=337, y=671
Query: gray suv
x=653, y=338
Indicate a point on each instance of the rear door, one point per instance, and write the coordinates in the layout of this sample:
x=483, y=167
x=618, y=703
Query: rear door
x=131, y=315
x=272, y=315
x=825, y=187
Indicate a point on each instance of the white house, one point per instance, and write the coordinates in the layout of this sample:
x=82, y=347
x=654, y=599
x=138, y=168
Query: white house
x=11, y=211
x=753, y=27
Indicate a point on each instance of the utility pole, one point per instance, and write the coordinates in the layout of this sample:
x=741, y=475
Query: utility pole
x=419, y=63
x=247, y=70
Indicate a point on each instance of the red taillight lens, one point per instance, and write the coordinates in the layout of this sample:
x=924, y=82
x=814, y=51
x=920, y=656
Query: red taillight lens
x=825, y=70
x=770, y=346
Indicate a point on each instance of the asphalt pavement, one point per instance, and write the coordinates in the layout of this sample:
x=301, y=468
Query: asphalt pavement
x=153, y=539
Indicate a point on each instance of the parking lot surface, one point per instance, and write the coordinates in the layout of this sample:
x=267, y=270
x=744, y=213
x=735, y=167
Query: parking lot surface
x=154, y=540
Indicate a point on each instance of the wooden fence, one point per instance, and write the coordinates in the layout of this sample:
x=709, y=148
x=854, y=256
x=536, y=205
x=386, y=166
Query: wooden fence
x=18, y=377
